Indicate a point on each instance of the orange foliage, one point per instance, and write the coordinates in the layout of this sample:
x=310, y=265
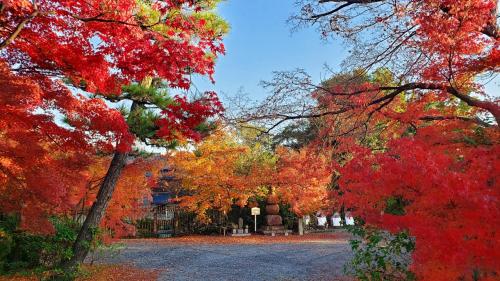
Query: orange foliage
x=102, y=273
x=118, y=273
x=302, y=179
x=326, y=238
x=39, y=161
x=127, y=203
x=214, y=174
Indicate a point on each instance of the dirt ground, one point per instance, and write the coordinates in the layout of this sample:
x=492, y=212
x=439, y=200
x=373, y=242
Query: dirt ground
x=309, y=257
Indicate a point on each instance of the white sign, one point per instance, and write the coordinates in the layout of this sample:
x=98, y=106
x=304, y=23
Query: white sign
x=255, y=213
x=322, y=221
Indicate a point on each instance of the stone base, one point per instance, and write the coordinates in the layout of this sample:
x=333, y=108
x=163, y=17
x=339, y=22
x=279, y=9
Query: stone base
x=239, y=234
x=273, y=228
x=276, y=229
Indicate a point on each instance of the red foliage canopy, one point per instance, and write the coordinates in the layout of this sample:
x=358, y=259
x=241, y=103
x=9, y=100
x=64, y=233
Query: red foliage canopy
x=448, y=191
x=59, y=58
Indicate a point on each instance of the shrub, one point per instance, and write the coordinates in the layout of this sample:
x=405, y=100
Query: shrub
x=6, y=244
x=380, y=255
x=21, y=251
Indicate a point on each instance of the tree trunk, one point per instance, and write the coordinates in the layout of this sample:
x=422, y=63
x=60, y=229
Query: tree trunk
x=81, y=246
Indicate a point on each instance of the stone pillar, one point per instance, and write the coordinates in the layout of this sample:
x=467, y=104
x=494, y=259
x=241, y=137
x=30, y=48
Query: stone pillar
x=240, y=223
x=301, y=225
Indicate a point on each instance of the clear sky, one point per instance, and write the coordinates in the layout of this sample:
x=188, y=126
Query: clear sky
x=261, y=41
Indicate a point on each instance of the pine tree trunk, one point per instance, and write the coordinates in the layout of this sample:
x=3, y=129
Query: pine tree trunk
x=81, y=246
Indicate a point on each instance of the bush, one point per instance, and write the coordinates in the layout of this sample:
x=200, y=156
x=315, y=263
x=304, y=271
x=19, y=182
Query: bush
x=380, y=255
x=6, y=244
x=7, y=224
x=26, y=252
x=58, y=248
x=21, y=251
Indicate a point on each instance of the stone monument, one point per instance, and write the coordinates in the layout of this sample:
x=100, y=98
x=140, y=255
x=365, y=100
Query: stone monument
x=273, y=223
x=238, y=229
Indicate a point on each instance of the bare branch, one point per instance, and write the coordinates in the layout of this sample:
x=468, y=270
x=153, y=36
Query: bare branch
x=461, y=118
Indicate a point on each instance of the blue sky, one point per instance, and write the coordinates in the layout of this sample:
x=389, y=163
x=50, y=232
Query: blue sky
x=260, y=42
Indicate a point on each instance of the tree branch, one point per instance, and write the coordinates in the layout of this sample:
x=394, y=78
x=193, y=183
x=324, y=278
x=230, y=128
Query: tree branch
x=19, y=27
x=98, y=18
x=386, y=99
x=491, y=107
x=466, y=119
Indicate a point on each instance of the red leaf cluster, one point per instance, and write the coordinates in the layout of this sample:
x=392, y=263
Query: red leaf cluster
x=450, y=194
x=180, y=119
x=58, y=59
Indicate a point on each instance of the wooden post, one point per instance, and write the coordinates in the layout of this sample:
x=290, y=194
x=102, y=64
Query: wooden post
x=176, y=219
x=155, y=222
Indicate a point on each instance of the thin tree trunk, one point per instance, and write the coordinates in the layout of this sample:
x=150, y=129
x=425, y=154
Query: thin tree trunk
x=81, y=246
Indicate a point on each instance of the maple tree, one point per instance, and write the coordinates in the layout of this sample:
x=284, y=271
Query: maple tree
x=422, y=144
x=37, y=168
x=70, y=55
x=442, y=186
x=406, y=167
x=303, y=178
x=126, y=206
x=218, y=173
x=408, y=163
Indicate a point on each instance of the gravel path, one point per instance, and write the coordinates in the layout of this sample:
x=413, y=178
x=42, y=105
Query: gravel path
x=308, y=260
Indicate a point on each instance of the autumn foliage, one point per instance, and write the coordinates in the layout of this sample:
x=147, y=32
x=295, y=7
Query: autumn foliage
x=408, y=138
x=127, y=204
x=302, y=179
x=411, y=144
x=40, y=162
x=216, y=174
x=446, y=195
x=60, y=61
